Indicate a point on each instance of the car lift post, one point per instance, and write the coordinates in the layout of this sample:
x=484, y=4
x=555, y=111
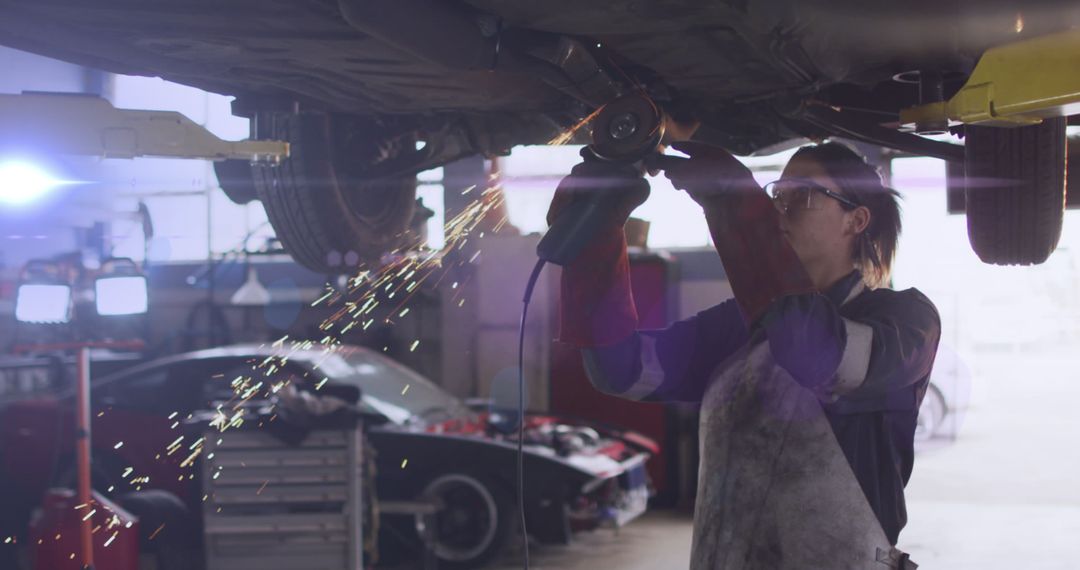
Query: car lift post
x=82, y=453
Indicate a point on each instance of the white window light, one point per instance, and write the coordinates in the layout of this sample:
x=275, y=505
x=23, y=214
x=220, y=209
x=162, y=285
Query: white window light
x=43, y=303
x=121, y=295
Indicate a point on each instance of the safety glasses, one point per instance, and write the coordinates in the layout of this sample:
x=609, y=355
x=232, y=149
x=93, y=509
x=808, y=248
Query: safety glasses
x=791, y=195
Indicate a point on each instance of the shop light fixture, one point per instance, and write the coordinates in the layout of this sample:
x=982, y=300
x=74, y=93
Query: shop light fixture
x=121, y=295
x=121, y=289
x=43, y=303
x=43, y=295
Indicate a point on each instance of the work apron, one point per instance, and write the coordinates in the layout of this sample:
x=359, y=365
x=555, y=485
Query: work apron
x=775, y=491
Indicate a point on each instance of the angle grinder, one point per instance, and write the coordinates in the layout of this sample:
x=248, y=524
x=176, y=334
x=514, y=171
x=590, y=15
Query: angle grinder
x=630, y=130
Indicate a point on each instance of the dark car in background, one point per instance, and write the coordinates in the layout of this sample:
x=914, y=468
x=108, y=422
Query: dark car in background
x=427, y=443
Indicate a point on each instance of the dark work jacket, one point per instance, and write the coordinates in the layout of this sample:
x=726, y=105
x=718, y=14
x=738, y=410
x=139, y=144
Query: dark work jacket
x=874, y=422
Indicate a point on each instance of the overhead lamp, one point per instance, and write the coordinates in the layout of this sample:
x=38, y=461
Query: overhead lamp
x=22, y=182
x=43, y=295
x=121, y=288
x=251, y=293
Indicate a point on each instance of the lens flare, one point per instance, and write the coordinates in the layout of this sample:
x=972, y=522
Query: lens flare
x=22, y=182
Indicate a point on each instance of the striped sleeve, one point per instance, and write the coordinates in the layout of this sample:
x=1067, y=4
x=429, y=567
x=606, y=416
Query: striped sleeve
x=895, y=344
x=855, y=362
x=890, y=347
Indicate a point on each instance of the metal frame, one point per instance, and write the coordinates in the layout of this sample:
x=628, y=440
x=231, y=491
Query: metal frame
x=64, y=123
x=1015, y=84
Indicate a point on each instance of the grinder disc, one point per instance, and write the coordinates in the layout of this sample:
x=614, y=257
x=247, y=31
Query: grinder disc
x=627, y=129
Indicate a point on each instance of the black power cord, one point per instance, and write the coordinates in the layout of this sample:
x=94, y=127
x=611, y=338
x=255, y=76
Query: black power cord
x=521, y=406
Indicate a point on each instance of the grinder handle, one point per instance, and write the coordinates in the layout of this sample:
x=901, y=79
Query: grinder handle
x=575, y=227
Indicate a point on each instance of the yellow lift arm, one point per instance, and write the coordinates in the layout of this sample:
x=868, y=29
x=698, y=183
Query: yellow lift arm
x=1015, y=84
x=89, y=125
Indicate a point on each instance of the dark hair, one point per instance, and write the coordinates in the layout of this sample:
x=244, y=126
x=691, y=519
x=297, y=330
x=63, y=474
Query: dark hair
x=875, y=248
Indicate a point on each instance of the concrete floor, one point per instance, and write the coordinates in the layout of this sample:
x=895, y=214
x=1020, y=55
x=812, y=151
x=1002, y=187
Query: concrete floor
x=1006, y=493
x=1003, y=495
x=659, y=539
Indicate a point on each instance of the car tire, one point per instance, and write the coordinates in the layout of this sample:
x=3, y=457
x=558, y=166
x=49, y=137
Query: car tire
x=549, y=522
x=931, y=414
x=476, y=523
x=236, y=179
x=329, y=220
x=168, y=532
x=1015, y=196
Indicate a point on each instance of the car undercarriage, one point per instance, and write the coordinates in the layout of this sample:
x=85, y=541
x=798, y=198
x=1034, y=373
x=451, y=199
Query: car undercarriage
x=370, y=93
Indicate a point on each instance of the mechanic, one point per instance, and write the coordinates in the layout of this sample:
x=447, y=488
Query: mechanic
x=781, y=468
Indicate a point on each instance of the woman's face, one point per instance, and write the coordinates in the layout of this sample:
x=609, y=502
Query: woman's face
x=825, y=232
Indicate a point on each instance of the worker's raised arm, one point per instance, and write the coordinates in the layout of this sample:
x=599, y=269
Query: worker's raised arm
x=596, y=308
x=668, y=365
x=745, y=226
x=597, y=312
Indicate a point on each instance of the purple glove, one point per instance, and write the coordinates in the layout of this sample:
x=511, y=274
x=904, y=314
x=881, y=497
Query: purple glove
x=807, y=338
